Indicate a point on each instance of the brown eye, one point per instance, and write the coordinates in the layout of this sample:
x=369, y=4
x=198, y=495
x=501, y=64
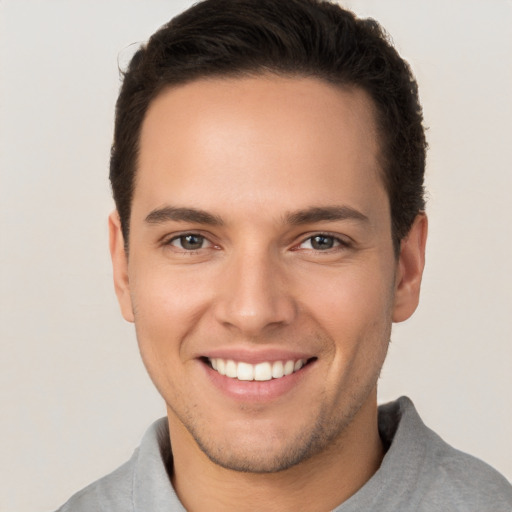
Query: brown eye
x=189, y=242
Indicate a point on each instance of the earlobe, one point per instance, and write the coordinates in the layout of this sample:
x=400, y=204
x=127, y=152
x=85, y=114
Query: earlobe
x=120, y=266
x=410, y=270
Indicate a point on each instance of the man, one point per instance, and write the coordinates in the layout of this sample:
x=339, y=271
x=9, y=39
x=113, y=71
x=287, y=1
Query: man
x=267, y=169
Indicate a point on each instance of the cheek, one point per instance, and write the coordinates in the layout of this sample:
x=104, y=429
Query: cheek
x=167, y=306
x=166, y=309
x=350, y=298
x=353, y=308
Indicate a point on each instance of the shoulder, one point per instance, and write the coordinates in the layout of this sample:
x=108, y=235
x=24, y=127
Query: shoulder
x=113, y=492
x=464, y=481
x=444, y=478
x=140, y=484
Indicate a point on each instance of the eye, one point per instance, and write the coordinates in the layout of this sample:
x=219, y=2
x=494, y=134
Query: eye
x=189, y=242
x=321, y=242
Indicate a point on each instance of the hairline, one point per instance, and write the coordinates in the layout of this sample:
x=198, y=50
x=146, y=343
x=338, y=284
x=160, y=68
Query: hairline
x=263, y=72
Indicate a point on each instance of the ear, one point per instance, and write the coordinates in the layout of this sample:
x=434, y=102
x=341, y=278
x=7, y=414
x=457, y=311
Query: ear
x=120, y=266
x=411, y=262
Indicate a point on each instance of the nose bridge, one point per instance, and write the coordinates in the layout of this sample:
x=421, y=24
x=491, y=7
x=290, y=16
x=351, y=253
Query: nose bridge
x=254, y=292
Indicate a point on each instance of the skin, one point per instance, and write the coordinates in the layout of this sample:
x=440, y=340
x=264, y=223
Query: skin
x=269, y=162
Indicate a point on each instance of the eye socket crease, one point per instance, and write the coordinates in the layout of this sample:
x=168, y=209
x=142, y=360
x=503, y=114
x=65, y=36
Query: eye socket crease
x=311, y=215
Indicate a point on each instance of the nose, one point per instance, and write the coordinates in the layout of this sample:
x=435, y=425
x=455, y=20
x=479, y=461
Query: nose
x=254, y=295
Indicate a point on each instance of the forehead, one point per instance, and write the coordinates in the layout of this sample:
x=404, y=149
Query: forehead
x=259, y=136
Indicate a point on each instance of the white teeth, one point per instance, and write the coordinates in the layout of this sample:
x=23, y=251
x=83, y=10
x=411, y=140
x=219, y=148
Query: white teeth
x=245, y=371
x=231, y=369
x=277, y=370
x=288, y=367
x=221, y=366
x=261, y=371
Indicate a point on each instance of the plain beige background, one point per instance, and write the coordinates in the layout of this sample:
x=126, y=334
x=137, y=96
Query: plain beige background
x=75, y=399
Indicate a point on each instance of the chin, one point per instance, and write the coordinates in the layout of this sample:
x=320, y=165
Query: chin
x=266, y=450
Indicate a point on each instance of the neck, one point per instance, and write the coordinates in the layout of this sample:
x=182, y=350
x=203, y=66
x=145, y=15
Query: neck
x=322, y=482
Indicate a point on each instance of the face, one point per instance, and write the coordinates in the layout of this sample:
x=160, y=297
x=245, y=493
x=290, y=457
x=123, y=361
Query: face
x=261, y=275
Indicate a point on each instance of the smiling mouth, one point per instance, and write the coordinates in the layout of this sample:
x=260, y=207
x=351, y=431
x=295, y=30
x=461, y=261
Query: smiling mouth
x=263, y=371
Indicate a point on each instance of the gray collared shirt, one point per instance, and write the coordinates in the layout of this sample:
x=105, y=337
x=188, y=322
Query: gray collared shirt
x=420, y=473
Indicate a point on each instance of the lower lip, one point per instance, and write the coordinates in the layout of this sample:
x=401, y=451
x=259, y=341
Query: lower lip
x=254, y=390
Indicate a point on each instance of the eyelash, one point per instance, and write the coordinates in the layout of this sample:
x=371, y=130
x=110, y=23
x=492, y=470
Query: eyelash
x=182, y=236
x=337, y=242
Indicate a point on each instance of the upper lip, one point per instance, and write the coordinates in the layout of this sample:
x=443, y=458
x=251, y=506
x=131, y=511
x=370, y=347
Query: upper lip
x=256, y=356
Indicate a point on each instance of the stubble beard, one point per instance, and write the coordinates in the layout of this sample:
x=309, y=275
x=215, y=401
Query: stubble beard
x=311, y=441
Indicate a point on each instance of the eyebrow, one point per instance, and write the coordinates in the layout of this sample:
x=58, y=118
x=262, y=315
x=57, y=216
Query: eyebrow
x=296, y=218
x=169, y=213
x=324, y=213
